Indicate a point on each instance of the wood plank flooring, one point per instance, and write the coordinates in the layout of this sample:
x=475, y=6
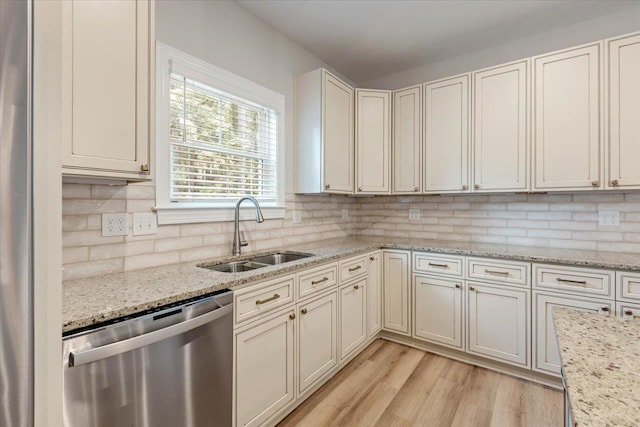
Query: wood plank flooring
x=390, y=384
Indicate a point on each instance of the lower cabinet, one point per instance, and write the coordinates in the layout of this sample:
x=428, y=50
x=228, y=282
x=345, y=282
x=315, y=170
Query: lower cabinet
x=317, y=339
x=264, y=368
x=627, y=310
x=498, y=322
x=374, y=294
x=438, y=310
x=353, y=316
x=396, y=314
x=547, y=354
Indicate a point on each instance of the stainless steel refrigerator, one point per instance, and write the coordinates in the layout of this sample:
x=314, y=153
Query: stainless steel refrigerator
x=16, y=281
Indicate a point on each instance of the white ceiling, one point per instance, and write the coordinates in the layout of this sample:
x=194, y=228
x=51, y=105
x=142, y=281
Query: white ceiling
x=369, y=39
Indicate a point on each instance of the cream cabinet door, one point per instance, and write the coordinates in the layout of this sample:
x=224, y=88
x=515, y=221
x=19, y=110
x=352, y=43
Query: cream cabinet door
x=567, y=114
x=395, y=285
x=374, y=294
x=407, y=141
x=446, y=135
x=337, y=130
x=107, y=49
x=623, y=111
x=500, y=128
x=545, y=342
x=353, y=316
x=264, y=369
x=373, y=141
x=438, y=310
x=498, y=323
x=317, y=339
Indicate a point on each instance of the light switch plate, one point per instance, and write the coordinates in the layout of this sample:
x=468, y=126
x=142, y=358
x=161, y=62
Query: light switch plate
x=414, y=214
x=609, y=218
x=115, y=224
x=144, y=224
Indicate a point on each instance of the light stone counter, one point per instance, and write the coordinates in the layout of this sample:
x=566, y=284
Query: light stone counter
x=95, y=300
x=601, y=365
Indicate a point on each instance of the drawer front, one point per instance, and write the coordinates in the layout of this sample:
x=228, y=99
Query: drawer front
x=262, y=298
x=509, y=272
x=352, y=268
x=316, y=280
x=438, y=264
x=628, y=311
x=580, y=281
x=628, y=285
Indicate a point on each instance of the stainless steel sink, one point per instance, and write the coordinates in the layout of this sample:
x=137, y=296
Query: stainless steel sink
x=254, y=263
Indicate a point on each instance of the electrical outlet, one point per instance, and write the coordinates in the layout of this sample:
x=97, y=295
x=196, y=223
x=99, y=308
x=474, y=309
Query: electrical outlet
x=145, y=223
x=297, y=217
x=345, y=213
x=115, y=224
x=414, y=214
x=609, y=218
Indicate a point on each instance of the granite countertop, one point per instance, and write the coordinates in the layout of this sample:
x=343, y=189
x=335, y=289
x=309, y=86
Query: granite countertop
x=601, y=365
x=86, y=302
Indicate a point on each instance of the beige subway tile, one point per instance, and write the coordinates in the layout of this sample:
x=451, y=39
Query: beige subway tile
x=164, y=245
x=76, y=254
x=622, y=207
x=507, y=214
x=108, y=191
x=87, y=206
x=141, y=192
x=201, y=229
x=118, y=250
x=555, y=216
x=87, y=238
x=76, y=191
x=585, y=216
x=82, y=270
x=74, y=222
x=602, y=236
x=489, y=239
x=140, y=206
x=194, y=254
x=156, y=259
x=572, y=225
x=94, y=222
x=598, y=197
x=573, y=207
x=550, y=234
x=527, y=241
x=528, y=223
x=500, y=231
x=572, y=244
x=528, y=206
x=619, y=247
x=493, y=222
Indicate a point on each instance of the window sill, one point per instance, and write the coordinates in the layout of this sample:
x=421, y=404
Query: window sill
x=190, y=215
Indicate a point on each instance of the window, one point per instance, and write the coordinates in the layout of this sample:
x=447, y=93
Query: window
x=218, y=138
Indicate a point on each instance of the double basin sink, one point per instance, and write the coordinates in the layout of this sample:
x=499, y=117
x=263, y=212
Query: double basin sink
x=255, y=263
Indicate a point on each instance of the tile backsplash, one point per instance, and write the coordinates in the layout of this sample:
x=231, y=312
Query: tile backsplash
x=548, y=220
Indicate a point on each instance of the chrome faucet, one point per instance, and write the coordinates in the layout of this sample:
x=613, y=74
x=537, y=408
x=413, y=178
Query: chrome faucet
x=238, y=243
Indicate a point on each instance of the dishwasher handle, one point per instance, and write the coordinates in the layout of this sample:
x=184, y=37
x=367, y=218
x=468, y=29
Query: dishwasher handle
x=83, y=357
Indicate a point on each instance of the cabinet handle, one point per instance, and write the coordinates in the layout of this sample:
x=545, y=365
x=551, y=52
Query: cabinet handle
x=144, y=167
x=274, y=297
x=579, y=282
x=356, y=287
x=355, y=268
x=605, y=308
x=503, y=273
x=315, y=282
x=327, y=186
x=477, y=186
x=303, y=311
x=628, y=312
x=371, y=258
x=614, y=182
x=595, y=183
x=464, y=186
x=435, y=264
x=471, y=288
x=292, y=316
x=416, y=189
x=359, y=188
x=458, y=286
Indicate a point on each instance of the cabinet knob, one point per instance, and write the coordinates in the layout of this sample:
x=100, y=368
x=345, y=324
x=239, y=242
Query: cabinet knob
x=614, y=182
x=292, y=316
x=372, y=258
x=471, y=288
x=595, y=183
x=458, y=286
x=476, y=186
x=464, y=186
x=303, y=311
x=144, y=167
x=416, y=189
x=605, y=308
x=327, y=186
x=628, y=312
x=356, y=287
x=359, y=188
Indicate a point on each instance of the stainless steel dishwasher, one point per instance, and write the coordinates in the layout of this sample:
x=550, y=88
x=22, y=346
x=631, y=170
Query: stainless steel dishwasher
x=172, y=367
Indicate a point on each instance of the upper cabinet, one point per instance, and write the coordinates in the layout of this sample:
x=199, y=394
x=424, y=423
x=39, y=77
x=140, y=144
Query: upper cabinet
x=567, y=110
x=623, y=100
x=373, y=141
x=107, y=57
x=407, y=141
x=324, y=133
x=446, y=136
x=500, y=128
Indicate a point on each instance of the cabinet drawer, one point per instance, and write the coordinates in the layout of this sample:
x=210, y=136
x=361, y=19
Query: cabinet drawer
x=628, y=311
x=352, y=268
x=317, y=279
x=581, y=281
x=438, y=264
x=263, y=298
x=510, y=272
x=628, y=285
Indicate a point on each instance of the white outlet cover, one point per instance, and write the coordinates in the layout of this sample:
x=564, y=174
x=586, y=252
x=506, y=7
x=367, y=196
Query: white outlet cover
x=297, y=217
x=145, y=223
x=115, y=224
x=345, y=213
x=609, y=218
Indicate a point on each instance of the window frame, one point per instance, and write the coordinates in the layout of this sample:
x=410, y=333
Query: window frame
x=170, y=60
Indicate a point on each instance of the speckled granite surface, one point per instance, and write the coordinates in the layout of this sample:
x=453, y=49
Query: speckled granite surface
x=601, y=364
x=89, y=301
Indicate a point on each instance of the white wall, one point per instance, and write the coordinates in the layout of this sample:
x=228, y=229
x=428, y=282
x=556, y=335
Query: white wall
x=614, y=24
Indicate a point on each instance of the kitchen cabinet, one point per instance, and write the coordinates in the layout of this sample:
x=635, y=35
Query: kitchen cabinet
x=567, y=115
x=317, y=339
x=628, y=311
x=374, y=294
x=446, y=135
x=623, y=102
x=438, y=310
x=264, y=368
x=407, y=141
x=373, y=141
x=324, y=133
x=545, y=343
x=107, y=88
x=628, y=286
x=500, y=128
x=353, y=316
x=395, y=268
x=498, y=322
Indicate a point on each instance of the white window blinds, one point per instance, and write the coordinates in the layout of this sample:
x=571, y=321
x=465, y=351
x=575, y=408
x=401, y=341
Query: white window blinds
x=222, y=146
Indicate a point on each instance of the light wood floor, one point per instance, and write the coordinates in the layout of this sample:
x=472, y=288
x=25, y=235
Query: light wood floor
x=390, y=384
